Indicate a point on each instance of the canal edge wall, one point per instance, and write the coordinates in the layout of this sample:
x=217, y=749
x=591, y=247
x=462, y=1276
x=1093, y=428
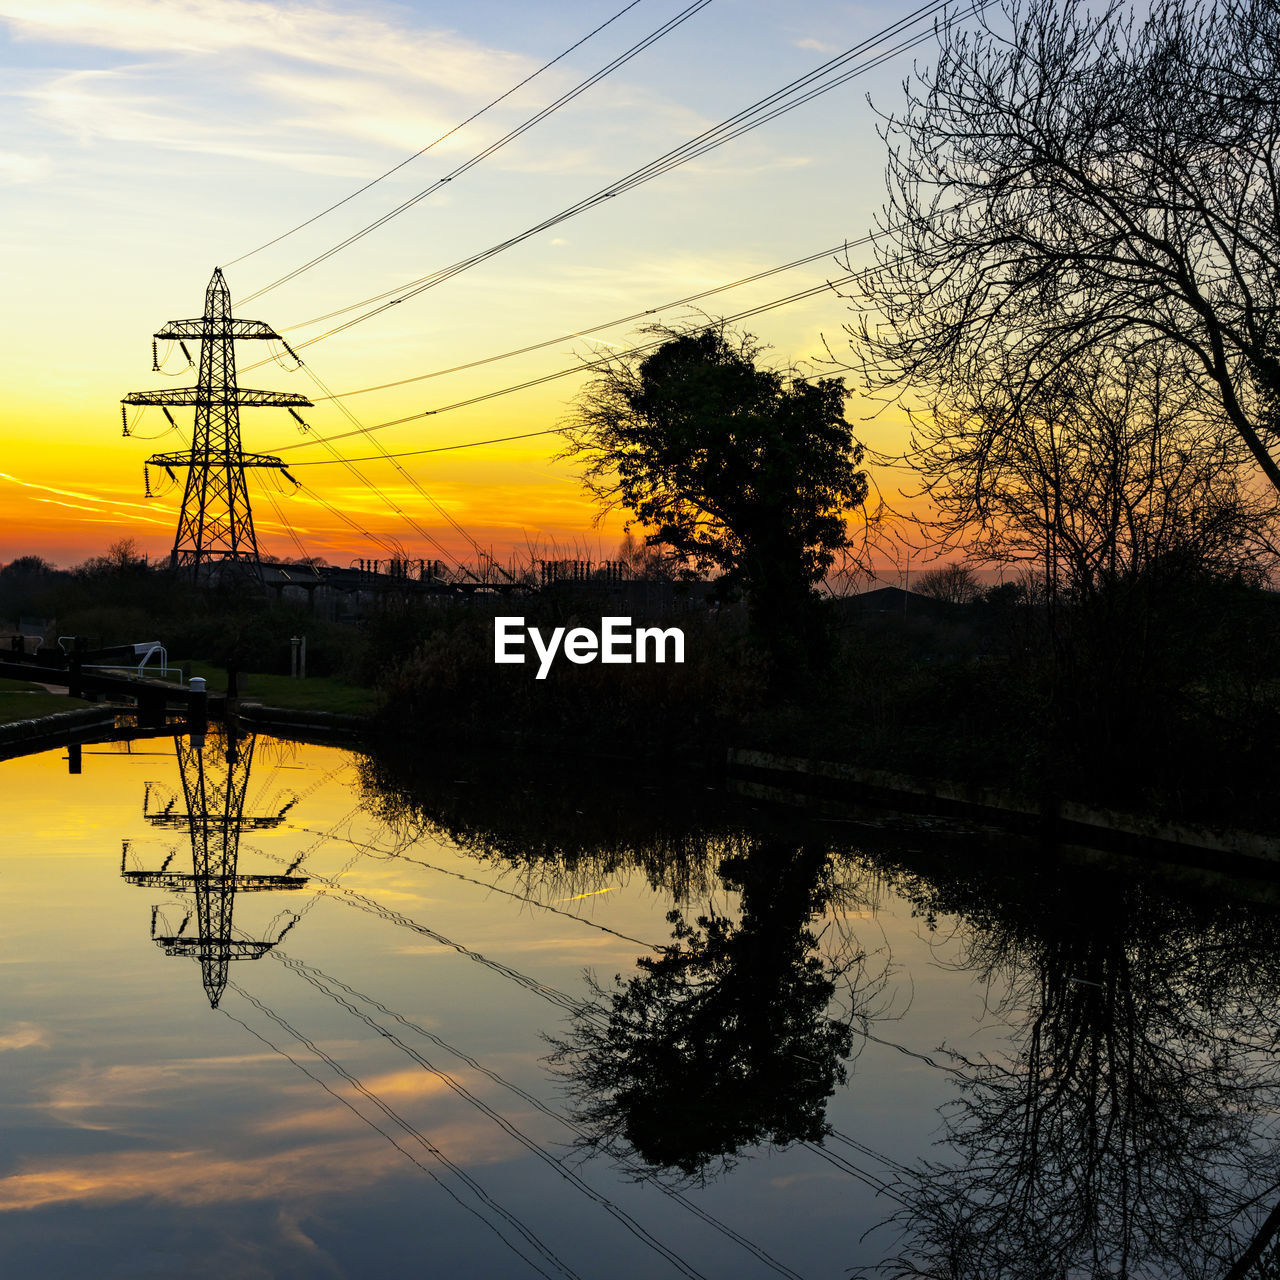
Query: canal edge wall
x=798, y=781
x=26, y=737
x=305, y=726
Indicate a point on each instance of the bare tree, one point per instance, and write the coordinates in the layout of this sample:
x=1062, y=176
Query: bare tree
x=1093, y=471
x=1063, y=180
x=954, y=583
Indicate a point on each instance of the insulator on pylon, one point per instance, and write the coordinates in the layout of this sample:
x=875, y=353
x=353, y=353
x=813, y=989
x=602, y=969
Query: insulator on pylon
x=299, y=419
x=124, y=420
x=168, y=415
x=296, y=483
x=185, y=352
x=146, y=476
x=292, y=352
x=171, y=475
x=155, y=356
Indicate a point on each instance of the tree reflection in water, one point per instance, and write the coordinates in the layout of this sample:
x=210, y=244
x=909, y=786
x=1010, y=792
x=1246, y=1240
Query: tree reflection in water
x=724, y=1040
x=727, y=1038
x=1130, y=1131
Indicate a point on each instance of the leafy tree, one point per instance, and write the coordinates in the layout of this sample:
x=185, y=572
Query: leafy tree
x=740, y=471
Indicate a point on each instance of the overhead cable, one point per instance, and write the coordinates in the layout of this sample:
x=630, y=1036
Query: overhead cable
x=821, y=80
x=687, y=300
x=621, y=60
x=436, y=142
x=585, y=366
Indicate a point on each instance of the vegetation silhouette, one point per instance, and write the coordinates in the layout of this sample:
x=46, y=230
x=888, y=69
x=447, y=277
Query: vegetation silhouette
x=1065, y=179
x=563, y=832
x=730, y=468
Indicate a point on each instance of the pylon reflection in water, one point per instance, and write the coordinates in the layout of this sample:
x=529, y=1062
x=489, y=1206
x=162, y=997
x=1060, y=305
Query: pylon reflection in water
x=214, y=780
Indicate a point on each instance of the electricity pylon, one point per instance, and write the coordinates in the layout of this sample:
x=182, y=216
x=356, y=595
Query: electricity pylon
x=215, y=524
x=214, y=817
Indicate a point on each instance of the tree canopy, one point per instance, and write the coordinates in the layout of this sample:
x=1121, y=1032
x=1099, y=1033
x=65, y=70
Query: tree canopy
x=733, y=469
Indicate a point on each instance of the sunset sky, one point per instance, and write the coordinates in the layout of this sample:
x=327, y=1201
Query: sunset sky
x=147, y=142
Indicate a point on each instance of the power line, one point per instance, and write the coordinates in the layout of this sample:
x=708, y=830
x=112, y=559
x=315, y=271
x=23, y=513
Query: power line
x=375, y=852
x=321, y=981
x=584, y=367
x=535, y=1149
x=621, y=60
x=441, y=448
x=790, y=96
x=587, y=1011
x=795, y=94
x=612, y=324
x=361, y=429
x=474, y=116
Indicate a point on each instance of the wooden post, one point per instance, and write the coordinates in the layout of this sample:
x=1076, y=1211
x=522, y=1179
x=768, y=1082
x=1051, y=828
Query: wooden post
x=74, y=664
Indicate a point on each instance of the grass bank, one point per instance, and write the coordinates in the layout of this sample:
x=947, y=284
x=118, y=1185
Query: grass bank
x=316, y=693
x=22, y=700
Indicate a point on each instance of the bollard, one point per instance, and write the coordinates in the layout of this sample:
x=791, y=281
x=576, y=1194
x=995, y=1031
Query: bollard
x=197, y=707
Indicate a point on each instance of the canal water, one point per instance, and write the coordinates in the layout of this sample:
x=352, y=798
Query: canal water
x=275, y=1010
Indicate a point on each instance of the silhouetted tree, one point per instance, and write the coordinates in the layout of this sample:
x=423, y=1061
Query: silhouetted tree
x=954, y=583
x=122, y=560
x=736, y=470
x=25, y=583
x=1064, y=178
x=1091, y=468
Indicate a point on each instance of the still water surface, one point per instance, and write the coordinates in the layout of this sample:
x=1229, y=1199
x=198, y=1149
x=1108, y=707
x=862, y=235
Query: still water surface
x=269, y=1011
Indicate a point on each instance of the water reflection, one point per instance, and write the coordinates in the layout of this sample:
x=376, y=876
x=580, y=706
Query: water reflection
x=1125, y=1127
x=1130, y=1128
x=560, y=825
x=724, y=1040
x=215, y=776
x=1111, y=1111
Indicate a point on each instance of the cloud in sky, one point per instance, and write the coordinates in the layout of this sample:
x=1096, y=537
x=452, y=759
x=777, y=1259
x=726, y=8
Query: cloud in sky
x=150, y=139
x=274, y=83
x=24, y=1035
x=196, y=1177
x=17, y=168
x=305, y=33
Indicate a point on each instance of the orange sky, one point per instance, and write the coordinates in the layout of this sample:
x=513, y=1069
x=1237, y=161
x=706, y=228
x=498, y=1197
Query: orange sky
x=151, y=141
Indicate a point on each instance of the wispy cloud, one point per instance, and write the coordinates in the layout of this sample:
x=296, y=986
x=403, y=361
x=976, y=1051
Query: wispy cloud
x=307, y=33
x=24, y=1035
x=819, y=46
x=288, y=81
x=17, y=169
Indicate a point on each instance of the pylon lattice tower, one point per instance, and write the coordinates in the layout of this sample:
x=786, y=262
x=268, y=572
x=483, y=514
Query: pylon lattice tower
x=214, y=817
x=216, y=523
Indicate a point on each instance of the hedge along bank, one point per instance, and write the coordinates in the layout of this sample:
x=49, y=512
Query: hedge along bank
x=616, y=642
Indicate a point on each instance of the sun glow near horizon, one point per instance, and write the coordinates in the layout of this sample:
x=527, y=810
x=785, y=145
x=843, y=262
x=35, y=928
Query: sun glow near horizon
x=152, y=141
